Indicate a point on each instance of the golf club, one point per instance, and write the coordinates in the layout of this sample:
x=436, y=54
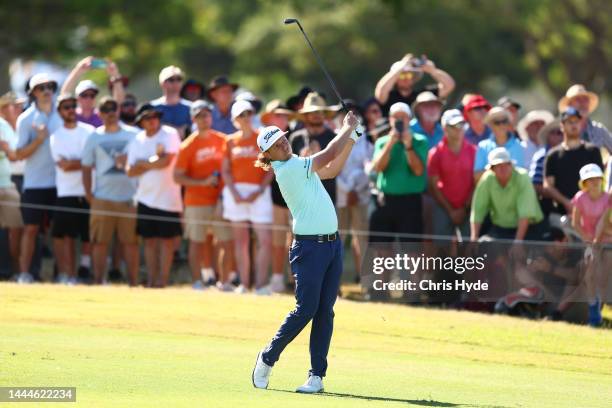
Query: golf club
x=316, y=54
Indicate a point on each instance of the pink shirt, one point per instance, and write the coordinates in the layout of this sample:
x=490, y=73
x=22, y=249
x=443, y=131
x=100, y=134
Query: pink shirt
x=455, y=171
x=590, y=211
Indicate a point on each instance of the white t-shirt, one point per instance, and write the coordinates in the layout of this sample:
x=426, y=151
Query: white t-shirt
x=156, y=188
x=68, y=144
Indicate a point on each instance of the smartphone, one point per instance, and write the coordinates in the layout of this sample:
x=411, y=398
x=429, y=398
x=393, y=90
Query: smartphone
x=399, y=126
x=98, y=63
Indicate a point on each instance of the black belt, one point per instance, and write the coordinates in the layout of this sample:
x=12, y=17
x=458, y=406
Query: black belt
x=319, y=238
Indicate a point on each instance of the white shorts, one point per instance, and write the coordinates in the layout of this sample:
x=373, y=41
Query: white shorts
x=257, y=212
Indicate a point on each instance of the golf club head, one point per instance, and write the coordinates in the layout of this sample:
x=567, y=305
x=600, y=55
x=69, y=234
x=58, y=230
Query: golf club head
x=291, y=20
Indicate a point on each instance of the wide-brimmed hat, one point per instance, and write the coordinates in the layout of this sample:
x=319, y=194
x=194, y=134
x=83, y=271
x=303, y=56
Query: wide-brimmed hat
x=144, y=110
x=589, y=171
x=496, y=113
x=315, y=103
x=578, y=90
x=275, y=107
x=10, y=98
x=298, y=97
x=423, y=97
x=546, y=129
x=219, y=81
x=533, y=116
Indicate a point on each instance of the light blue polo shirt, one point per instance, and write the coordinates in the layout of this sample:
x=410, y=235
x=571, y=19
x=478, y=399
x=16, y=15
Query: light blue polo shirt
x=513, y=145
x=432, y=140
x=311, y=207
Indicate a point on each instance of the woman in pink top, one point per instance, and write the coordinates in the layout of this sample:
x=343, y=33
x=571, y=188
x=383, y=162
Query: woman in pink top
x=591, y=204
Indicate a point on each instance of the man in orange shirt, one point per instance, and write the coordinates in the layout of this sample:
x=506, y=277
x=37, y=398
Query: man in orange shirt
x=198, y=168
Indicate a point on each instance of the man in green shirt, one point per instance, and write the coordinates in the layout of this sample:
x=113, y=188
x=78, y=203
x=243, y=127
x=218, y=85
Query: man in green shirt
x=506, y=194
x=400, y=160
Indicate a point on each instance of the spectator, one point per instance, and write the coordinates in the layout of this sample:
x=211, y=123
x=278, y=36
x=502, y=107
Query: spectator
x=112, y=210
x=247, y=198
x=399, y=160
x=528, y=129
x=198, y=169
x=276, y=114
x=127, y=110
x=498, y=119
x=427, y=108
x=255, y=102
x=372, y=114
x=72, y=216
x=295, y=103
x=513, y=108
x=221, y=92
x=563, y=163
x=586, y=102
x=397, y=85
x=39, y=194
x=506, y=194
x=10, y=216
x=86, y=90
x=549, y=136
x=193, y=90
x=174, y=109
x=475, y=108
x=591, y=203
x=316, y=134
x=450, y=168
x=151, y=158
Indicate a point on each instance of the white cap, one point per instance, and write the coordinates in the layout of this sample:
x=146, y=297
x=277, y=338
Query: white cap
x=169, y=72
x=452, y=117
x=86, y=85
x=589, y=171
x=241, y=106
x=39, y=79
x=268, y=136
x=400, y=107
x=497, y=156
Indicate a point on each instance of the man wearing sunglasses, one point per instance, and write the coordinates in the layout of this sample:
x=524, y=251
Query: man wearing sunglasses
x=397, y=85
x=499, y=120
x=174, y=109
x=39, y=194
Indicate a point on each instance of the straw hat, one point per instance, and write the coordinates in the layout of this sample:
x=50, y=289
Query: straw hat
x=315, y=103
x=275, y=107
x=533, y=116
x=578, y=90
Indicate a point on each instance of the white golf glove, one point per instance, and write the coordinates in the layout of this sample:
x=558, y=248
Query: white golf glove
x=359, y=130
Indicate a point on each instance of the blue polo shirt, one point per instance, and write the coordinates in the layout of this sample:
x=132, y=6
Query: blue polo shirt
x=513, y=145
x=174, y=115
x=432, y=139
x=311, y=207
x=222, y=123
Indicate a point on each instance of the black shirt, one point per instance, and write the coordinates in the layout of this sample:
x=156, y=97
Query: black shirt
x=300, y=139
x=395, y=96
x=564, y=165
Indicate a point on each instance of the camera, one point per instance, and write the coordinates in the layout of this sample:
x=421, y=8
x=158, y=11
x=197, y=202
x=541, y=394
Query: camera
x=399, y=126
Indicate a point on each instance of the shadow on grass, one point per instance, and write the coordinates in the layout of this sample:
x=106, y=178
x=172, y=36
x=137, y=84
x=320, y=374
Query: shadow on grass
x=423, y=403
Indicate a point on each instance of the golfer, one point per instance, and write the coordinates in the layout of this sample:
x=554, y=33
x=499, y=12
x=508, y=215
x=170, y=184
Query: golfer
x=316, y=253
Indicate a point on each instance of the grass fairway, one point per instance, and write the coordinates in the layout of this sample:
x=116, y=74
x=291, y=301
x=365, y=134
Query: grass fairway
x=126, y=347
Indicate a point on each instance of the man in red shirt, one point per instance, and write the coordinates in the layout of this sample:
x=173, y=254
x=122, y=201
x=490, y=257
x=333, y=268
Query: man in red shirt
x=198, y=169
x=449, y=167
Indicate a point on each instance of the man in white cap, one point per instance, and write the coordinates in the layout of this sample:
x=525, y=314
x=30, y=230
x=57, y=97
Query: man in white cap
x=174, y=109
x=586, y=102
x=316, y=253
x=506, y=194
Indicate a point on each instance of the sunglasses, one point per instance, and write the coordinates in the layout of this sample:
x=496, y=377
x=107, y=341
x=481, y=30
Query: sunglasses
x=480, y=108
x=405, y=75
x=88, y=95
x=45, y=87
x=108, y=108
x=174, y=79
x=129, y=104
x=70, y=106
x=500, y=122
x=376, y=110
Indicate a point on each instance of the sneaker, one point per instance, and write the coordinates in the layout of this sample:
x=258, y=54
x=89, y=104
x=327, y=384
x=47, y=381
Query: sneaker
x=114, y=275
x=277, y=285
x=261, y=373
x=225, y=287
x=263, y=291
x=241, y=289
x=312, y=385
x=62, y=279
x=595, y=317
x=24, y=278
x=234, y=279
x=211, y=282
x=198, y=285
x=72, y=281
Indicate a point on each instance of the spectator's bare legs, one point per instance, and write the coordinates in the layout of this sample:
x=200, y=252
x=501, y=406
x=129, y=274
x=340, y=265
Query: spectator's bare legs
x=117, y=255
x=14, y=247
x=224, y=254
x=132, y=262
x=262, y=261
x=70, y=256
x=241, y=248
x=208, y=251
x=196, y=259
x=28, y=242
x=151, y=261
x=167, y=247
x=98, y=258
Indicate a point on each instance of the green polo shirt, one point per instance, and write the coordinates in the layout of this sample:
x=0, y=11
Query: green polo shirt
x=506, y=205
x=398, y=178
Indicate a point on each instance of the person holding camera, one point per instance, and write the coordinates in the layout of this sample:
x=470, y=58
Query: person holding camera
x=397, y=85
x=399, y=159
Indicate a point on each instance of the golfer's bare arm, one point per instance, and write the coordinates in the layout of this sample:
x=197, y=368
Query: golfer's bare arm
x=333, y=149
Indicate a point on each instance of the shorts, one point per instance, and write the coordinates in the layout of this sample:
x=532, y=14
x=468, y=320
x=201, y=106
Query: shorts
x=10, y=214
x=71, y=218
x=156, y=223
x=109, y=218
x=397, y=214
x=281, y=218
x=257, y=212
x=197, y=221
x=37, y=205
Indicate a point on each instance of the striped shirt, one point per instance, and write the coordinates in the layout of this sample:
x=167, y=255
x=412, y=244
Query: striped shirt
x=597, y=134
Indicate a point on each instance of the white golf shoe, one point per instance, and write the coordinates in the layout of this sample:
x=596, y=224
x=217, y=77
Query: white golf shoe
x=261, y=373
x=312, y=385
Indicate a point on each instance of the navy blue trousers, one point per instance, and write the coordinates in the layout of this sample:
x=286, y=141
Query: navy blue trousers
x=317, y=267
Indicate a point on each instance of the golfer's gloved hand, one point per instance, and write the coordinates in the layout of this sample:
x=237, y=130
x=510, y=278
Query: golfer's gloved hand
x=358, y=131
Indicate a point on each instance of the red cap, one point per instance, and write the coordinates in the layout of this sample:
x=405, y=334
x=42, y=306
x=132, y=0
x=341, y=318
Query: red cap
x=476, y=101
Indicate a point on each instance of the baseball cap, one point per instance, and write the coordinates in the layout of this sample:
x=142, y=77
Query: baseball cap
x=169, y=72
x=39, y=79
x=198, y=106
x=589, y=171
x=507, y=101
x=569, y=112
x=268, y=136
x=498, y=156
x=250, y=97
x=476, y=101
x=106, y=100
x=144, y=110
x=452, y=117
x=64, y=97
x=400, y=107
x=241, y=106
x=86, y=85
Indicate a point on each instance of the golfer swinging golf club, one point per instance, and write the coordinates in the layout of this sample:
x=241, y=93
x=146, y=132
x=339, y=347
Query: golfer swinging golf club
x=316, y=253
